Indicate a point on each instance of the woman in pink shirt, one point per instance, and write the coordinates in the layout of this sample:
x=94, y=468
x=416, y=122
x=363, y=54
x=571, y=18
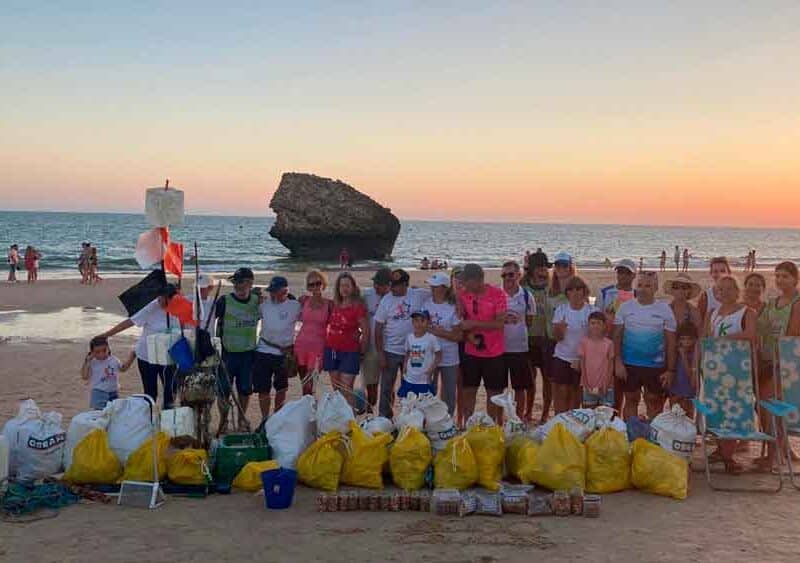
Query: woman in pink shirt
x=310, y=341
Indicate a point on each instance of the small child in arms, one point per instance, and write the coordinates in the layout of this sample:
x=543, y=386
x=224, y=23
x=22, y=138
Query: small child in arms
x=101, y=370
x=597, y=364
x=423, y=354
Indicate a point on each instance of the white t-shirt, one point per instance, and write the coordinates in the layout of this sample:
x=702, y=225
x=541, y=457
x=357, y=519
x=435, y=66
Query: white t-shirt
x=395, y=314
x=516, y=333
x=371, y=300
x=152, y=319
x=643, y=338
x=277, y=325
x=421, y=355
x=104, y=374
x=444, y=316
x=577, y=328
x=206, y=307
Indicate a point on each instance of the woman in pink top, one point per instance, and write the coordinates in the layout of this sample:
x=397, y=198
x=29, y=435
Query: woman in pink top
x=310, y=341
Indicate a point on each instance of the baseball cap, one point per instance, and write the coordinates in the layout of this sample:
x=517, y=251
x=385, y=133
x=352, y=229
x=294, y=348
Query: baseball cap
x=383, y=276
x=277, y=283
x=242, y=274
x=539, y=259
x=421, y=313
x=205, y=280
x=627, y=264
x=472, y=272
x=439, y=279
x=563, y=257
x=399, y=276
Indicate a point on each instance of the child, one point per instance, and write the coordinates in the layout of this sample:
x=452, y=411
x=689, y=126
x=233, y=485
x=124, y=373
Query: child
x=684, y=387
x=101, y=370
x=596, y=353
x=423, y=355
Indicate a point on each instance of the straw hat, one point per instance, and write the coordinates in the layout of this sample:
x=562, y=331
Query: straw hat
x=684, y=278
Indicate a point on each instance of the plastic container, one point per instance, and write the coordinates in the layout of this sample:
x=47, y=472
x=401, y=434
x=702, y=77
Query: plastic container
x=234, y=451
x=178, y=422
x=279, y=485
x=5, y=460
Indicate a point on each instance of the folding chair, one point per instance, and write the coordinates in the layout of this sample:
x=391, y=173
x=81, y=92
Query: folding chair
x=728, y=403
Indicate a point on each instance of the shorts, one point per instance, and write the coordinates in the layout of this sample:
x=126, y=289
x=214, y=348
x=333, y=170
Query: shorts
x=269, y=370
x=591, y=400
x=563, y=374
x=98, y=399
x=639, y=377
x=239, y=366
x=308, y=359
x=371, y=367
x=538, y=347
x=418, y=388
x=492, y=371
x=516, y=363
x=342, y=362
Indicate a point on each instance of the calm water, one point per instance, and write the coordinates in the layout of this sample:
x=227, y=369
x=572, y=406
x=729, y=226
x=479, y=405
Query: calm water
x=228, y=242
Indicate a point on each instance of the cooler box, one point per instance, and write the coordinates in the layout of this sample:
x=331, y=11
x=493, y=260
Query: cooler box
x=234, y=451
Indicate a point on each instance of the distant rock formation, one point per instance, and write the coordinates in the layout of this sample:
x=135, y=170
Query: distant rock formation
x=317, y=217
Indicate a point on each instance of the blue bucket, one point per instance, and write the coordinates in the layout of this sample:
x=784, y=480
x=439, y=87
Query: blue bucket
x=279, y=487
x=181, y=352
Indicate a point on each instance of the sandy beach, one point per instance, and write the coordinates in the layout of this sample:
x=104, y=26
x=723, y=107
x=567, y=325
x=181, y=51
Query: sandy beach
x=44, y=330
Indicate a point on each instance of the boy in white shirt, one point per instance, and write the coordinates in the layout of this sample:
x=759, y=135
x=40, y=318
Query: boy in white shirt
x=101, y=370
x=423, y=355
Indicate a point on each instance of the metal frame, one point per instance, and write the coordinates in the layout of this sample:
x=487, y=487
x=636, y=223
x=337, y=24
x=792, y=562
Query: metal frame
x=777, y=403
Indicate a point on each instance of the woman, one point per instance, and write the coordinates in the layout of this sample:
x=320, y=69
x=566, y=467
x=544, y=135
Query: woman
x=736, y=321
x=709, y=300
x=152, y=319
x=309, y=345
x=570, y=325
x=32, y=257
x=13, y=263
x=94, y=277
x=347, y=335
x=445, y=326
x=683, y=289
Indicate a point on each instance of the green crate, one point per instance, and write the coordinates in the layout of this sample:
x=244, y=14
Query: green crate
x=237, y=450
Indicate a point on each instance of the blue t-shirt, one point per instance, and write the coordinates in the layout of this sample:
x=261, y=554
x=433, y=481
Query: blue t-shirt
x=643, y=339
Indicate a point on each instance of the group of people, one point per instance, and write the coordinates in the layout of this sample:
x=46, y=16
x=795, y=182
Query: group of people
x=88, y=264
x=30, y=260
x=435, y=264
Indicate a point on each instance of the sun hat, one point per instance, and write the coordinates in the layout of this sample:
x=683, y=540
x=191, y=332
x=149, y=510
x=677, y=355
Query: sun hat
x=627, y=264
x=205, y=280
x=277, y=283
x=439, y=279
x=563, y=257
x=683, y=278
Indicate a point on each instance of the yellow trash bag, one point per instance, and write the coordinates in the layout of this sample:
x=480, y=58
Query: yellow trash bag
x=655, y=470
x=365, y=458
x=321, y=464
x=249, y=477
x=608, y=462
x=140, y=463
x=409, y=459
x=188, y=467
x=93, y=462
x=560, y=462
x=455, y=467
x=488, y=446
x=521, y=457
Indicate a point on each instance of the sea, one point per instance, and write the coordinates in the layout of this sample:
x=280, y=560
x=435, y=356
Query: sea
x=226, y=243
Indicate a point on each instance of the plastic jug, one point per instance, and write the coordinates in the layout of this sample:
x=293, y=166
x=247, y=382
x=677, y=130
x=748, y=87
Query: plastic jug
x=5, y=454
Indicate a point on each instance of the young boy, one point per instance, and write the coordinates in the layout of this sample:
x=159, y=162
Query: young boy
x=101, y=369
x=597, y=364
x=423, y=355
x=684, y=387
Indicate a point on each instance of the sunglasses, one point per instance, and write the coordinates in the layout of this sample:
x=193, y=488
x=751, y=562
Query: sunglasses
x=508, y=275
x=562, y=264
x=681, y=286
x=312, y=285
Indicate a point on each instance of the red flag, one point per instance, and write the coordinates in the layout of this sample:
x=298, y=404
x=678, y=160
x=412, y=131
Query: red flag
x=173, y=259
x=181, y=308
x=164, y=234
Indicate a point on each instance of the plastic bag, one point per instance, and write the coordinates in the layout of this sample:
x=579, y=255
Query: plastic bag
x=291, y=430
x=189, y=467
x=334, y=414
x=409, y=458
x=674, y=431
x=139, y=466
x=580, y=422
x=36, y=443
x=455, y=467
x=655, y=470
x=513, y=424
x=164, y=207
x=521, y=458
x=409, y=417
x=130, y=425
x=488, y=445
x=93, y=462
x=560, y=461
x=439, y=425
x=376, y=424
x=608, y=461
x=80, y=426
x=363, y=466
x=249, y=477
x=637, y=428
x=320, y=466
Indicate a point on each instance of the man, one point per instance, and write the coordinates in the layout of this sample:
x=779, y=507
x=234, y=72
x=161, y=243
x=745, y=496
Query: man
x=539, y=353
x=677, y=259
x=392, y=326
x=645, y=345
x=237, y=325
x=278, y=314
x=483, y=312
x=519, y=316
x=370, y=367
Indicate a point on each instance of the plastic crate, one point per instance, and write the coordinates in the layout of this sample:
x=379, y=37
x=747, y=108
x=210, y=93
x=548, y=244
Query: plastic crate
x=234, y=451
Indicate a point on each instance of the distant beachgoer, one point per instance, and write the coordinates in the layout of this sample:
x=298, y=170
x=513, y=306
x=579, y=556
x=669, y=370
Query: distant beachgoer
x=94, y=276
x=641, y=264
x=663, y=262
x=13, y=263
x=370, y=364
x=540, y=350
x=519, y=317
x=526, y=259
x=753, y=260
x=747, y=261
x=101, y=371
x=83, y=262
x=677, y=259
x=685, y=259
x=710, y=300
x=683, y=290
x=607, y=263
x=445, y=326
x=344, y=259
x=32, y=257
x=425, y=263
x=309, y=344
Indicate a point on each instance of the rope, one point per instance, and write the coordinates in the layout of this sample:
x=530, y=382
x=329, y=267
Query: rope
x=22, y=499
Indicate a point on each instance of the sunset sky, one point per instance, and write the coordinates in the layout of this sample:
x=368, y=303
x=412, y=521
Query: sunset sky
x=680, y=112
